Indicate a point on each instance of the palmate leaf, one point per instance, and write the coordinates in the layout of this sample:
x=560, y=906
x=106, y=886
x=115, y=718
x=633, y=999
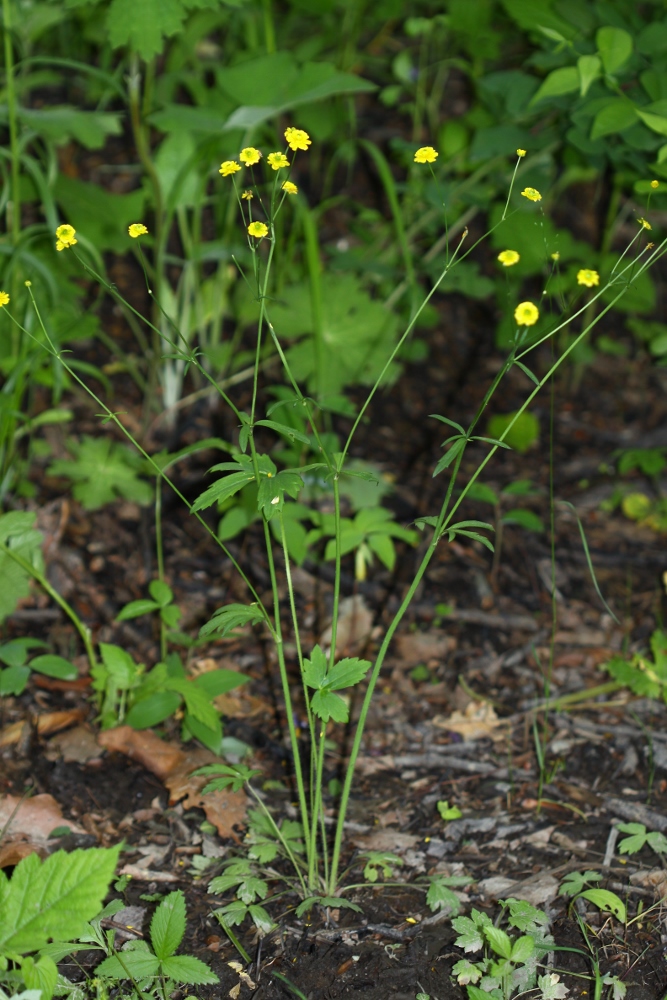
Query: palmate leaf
x=142, y=25
x=102, y=471
x=53, y=899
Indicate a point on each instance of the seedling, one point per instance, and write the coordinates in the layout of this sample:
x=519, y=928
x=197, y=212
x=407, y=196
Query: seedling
x=448, y=812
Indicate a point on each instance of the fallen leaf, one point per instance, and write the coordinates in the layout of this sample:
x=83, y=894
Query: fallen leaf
x=174, y=767
x=75, y=746
x=355, y=621
x=418, y=647
x=49, y=722
x=386, y=840
x=28, y=824
x=477, y=721
x=654, y=878
x=147, y=874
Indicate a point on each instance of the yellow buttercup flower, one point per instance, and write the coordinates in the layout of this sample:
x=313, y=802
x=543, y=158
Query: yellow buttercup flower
x=645, y=223
x=250, y=156
x=137, y=229
x=532, y=194
x=229, y=167
x=655, y=184
x=521, y=152
x=508, y=258
x=426, y=154
x=526, y=314
x=290, y=188
x=587, y=277
x=297, y=139
x=258, y=229
x=247, y=195
x=65, y=237
x=277, y=160
x=555, y=255
x=4, y=299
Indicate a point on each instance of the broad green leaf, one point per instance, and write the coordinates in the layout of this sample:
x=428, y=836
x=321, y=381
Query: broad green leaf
x=222, y=490
x=526, y=917
x=619, y=114
x=615, y=47
x=196, y=700
x=209, y=735
x=327, y=705
x=499, y=941
x=17, y=534
x=261, y=919
x=271, y=492
x=119, y=664
x=525, y=519
x=176, y=169
x=153, y=710
x=574, y=882
x=62, y=124
x=347, y=673
x=232, y=616
x=560, y=81
x=523, y=433
x=40, y=975
x=100, y=215
x=215, y=682
x=315, y=669
x=168, y=925
x=285, y=430
x=187, y=969
x=136, y=608
x=522, y=949
x=54, y=666
x=384, y=549
x=160, y=592
x=607, y=901
x=540, y=17
x=142, y=25
x=15, y=652
x=138, y=964
x=470, y=936
x=658, y=123
x=589, y=71
x=441, y=897
x=481, y=492
x=54, y=899
x=14, y=680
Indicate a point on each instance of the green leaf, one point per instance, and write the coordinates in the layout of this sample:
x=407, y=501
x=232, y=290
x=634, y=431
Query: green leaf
x=499, y=941
x=153, y=710
x=143, y=25
x=215, y=682
x=522, y=435
x=14, y=680
x=54, y=666
x=449, y=456
x=15, y=652
x=327, y=705
x=17, y=534
x=441, y=897
x=285, y=430
x=102, y=471
x=589, y=70
x=40, y=975
x=271, y=492
x=187, y=969
x=619, y=114
x=527, y=372
x=607, y=901
x=222, y=490
x=120, y=666
x=525, y=519
x=559, y=81
x=136, y=608
x=61, y=124
x=347, y=673
x=232, y=616
x=446, y=420
x=615, y=47
x=160, y=592
x=168, y=925
x=522, y=949
x=481, y=492
x=315, y=669
x=54, y=899
x=469, y=930
x=197, y=701
x=138, y=964
x=658, y=123
x=100, y=215
x=574, y=882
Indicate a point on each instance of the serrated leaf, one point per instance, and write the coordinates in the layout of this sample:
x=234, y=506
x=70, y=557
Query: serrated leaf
x=138, y=964
x=40, y=975
x=315, y=669
x=271, y=492
x=470, y=935
x=187, y=969
x=285, y=430
x=168, y=925
x=143, y=25
x=53, y=899
x=574, y=882
x=440, y=897
x=232, y=616
x=222, y=490
x=103, y=471
x=327, y=705
x=347, y=673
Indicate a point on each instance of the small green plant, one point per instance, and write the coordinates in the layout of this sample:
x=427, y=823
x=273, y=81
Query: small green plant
x=638, y=837
x=644, y=676
x=102, y=471
x=15, y=653
x=577, y=885
x=509, y=964
x=448, y=812
x=158, y=970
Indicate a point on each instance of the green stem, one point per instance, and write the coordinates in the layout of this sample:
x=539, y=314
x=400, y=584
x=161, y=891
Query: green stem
x=159, y=551
x=15, y=220
x=82, y=629
x=277, y=832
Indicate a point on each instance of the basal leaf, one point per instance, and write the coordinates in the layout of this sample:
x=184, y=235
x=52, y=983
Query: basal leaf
x=188, y=969
x=143, y=25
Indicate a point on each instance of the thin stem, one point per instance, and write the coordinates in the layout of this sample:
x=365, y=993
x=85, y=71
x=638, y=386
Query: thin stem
x=276, y=830
x=10, y=87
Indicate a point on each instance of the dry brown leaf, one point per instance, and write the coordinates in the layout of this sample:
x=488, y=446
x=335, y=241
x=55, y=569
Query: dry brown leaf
x=147, y=874
x=386, y=840
x=28, y=823
x=355, y=621
x=75, y=746
x=174, y=767
x=477, y=721
x=49, y=722
x=418, y=647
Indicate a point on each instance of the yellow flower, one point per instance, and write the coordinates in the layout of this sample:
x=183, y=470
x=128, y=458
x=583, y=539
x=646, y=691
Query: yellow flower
x=229, y=167
x=655, y=184
x=290, y=188
x=521, y=152
x=65, y=237
x=4, y=299
x=250, y=156
x=509, y=257
x=247, y=195
x=297, y=139
x=532, y=194
x=555, y=255
x=258, y=229
x=137, y=229
x=526, y=314
x=645, y=223
x=426, y=154
x=588, y=278
x=277, y=160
